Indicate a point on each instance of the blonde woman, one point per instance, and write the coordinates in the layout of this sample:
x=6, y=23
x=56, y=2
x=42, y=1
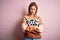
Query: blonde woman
x=32, y=25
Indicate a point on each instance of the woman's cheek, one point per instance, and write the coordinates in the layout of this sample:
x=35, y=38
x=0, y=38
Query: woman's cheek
x=31, y=11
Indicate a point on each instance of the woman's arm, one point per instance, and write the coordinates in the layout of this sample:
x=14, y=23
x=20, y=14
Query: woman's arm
x=24, y=24
x=40, y=25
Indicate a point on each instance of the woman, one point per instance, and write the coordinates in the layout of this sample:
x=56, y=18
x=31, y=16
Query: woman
x=32, y=24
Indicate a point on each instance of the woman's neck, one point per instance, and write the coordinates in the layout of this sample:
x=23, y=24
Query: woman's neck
x=32, y=16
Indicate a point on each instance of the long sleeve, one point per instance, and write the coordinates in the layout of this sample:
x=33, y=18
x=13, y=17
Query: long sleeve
x=40, y=25
x=40, y=28
x=24, y=24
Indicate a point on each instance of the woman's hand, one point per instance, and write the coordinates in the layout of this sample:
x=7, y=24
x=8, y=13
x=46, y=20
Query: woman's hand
x=33, y=28
x=28, y=28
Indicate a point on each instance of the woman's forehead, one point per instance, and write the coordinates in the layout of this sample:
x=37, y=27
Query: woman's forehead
x=33, y=7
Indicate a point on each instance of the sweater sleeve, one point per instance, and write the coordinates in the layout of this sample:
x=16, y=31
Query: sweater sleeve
x=24, y=24
x=40, y=25
x=40, y=28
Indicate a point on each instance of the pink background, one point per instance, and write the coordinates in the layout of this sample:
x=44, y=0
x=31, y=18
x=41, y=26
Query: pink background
x=12, y=12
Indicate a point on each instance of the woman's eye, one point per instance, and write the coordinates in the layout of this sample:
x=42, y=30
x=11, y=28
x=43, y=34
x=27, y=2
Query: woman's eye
x=34, y=9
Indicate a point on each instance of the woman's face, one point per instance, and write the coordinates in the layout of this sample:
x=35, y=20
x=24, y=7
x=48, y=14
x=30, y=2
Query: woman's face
x=32, y=10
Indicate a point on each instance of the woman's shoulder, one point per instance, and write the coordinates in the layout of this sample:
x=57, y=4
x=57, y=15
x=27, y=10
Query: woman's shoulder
x=37, y=16
x=25, y=16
